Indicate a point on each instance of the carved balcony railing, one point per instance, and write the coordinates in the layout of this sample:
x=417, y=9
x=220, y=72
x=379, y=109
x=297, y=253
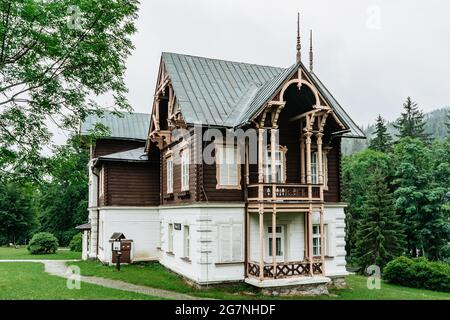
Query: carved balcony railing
x=285, y=269
x=286, y=192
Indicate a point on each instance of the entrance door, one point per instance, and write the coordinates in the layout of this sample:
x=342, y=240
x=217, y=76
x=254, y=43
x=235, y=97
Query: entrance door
x=279, y=243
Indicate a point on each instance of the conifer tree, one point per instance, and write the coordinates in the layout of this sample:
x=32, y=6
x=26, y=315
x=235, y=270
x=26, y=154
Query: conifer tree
x=411, y=122
x=379, y=234
x=382, y=141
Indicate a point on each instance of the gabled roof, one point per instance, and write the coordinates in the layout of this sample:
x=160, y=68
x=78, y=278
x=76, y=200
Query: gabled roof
x=227, y=94
x=127, y=126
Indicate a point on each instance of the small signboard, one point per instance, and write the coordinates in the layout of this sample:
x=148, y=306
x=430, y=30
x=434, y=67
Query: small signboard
x=177, y=226
x=116, y=246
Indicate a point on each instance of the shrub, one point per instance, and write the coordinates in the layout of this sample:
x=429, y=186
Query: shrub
x=418, y=273
x=76, y=244
x=43, y=243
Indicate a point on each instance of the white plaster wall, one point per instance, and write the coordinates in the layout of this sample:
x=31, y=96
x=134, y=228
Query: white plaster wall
x=203, y=221
x=138, y=224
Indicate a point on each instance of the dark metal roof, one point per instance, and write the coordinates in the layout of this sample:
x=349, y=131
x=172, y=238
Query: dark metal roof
x=228, y=94
x=134, y=155
x=86, y=226
x=127, y=126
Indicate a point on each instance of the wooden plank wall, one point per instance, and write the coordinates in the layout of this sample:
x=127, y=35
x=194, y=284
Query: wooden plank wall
x=108, y=146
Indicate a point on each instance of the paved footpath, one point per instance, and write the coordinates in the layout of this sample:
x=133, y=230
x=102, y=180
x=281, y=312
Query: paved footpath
x=59, y=268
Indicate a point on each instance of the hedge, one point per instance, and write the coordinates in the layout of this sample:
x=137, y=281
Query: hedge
x=43, y=243
x=418, y=273
x=76, y=243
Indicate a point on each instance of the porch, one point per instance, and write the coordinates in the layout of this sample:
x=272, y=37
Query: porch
x=286, y=244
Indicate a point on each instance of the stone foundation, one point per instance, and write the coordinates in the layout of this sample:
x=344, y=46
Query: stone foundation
x=316, y=289
x=337, y=283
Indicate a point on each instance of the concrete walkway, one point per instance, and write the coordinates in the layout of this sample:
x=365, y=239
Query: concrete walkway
x=59, y=268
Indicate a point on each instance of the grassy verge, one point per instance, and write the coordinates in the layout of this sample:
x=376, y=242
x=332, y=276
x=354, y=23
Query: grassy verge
x=23, y=254
x=28, y=281
x=156, y=276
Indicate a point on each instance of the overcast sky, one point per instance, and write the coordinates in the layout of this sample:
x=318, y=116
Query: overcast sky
x=370, y=54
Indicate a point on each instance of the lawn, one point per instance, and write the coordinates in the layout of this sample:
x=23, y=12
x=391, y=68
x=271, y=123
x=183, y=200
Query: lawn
x=23, y=254
x=28, y=281
x=155, y=275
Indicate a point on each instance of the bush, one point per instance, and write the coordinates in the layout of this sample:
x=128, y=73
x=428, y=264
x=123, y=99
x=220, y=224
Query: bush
x=43, y=243
x=418, y=273
x=76, y=244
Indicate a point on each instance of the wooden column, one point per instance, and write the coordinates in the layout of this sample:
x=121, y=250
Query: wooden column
x=247, y=240
x=310, y=242
x=320, y=157
x=261, y=242
x=247, y=162
x=157, y=113
x=322, y=242
x=302, y=160
x=273, y=149
x=308, y=135
x=274, y=236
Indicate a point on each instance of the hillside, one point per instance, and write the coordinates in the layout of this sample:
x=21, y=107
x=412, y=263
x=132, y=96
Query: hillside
x=435, y=125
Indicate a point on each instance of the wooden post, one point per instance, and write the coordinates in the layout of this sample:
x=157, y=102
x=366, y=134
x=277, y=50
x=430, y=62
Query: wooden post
x=274, y=237
x=322, y=242
x=273, y=149
x=308, y=135
x=302, y=160
x=247, y=164
x=247, y=239
x=320, y=158
x=310, y=242
x=261, y=242
x=157, y=113
x=260, y=164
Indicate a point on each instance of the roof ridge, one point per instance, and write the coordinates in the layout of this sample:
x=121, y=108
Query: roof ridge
x=223, y=60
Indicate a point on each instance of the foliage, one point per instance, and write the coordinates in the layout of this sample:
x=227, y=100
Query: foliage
x=76, y=244
x=43, y=243
x=411, y=122
x=21, y=253
x=418, y=273
x=54, y=57
x=382, y=141
x=64, y=198
x=17, y=211
x=379, y=235
x=356, y=171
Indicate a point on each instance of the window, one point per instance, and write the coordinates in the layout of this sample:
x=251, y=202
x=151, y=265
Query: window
x=185, y=170
x=170, y=235
x=227, y=166
x=279, y=166
x=279, y=238
x=170, y=174
x=230, y=244
x=317, y=245
x=187, y=249
x=315, y=168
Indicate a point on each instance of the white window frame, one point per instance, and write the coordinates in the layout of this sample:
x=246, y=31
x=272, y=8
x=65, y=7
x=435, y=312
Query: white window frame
x=185, y=164
x=317, y=249
x=186, y=242
x=170, y=234
x=221, y=167
x=235, y=233
x=315, y=168
x=267, y=164
x=169, y=174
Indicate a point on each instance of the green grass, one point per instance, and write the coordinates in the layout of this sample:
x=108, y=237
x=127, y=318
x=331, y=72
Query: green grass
x=156, y=276
x=28, y=281
x=23, y=254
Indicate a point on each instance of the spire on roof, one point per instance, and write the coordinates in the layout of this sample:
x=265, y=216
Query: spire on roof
x=299, y=46
x=311, y=54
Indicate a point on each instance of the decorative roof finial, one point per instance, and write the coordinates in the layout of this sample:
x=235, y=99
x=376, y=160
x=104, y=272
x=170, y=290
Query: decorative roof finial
x=311, y=54
x=299, y=46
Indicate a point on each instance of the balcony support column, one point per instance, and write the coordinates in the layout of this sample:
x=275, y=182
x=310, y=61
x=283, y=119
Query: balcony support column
x=310, y=240
x=322, y=242
x=320, y=158
x=274, y=242
x=261, y=242
x=302, y=160
x=308, y=135
x=273, y=150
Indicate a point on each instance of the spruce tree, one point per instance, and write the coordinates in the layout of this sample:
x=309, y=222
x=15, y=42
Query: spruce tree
x=379, y=234
x=448, y=124
x=382, y=141
x=411, y=122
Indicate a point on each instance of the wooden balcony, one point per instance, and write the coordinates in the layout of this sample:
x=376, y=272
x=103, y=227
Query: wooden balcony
x=284, y=192
x=285, y=269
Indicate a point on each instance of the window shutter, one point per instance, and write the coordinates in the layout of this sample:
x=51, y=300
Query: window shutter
x=237, y=242
x=225, y=243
